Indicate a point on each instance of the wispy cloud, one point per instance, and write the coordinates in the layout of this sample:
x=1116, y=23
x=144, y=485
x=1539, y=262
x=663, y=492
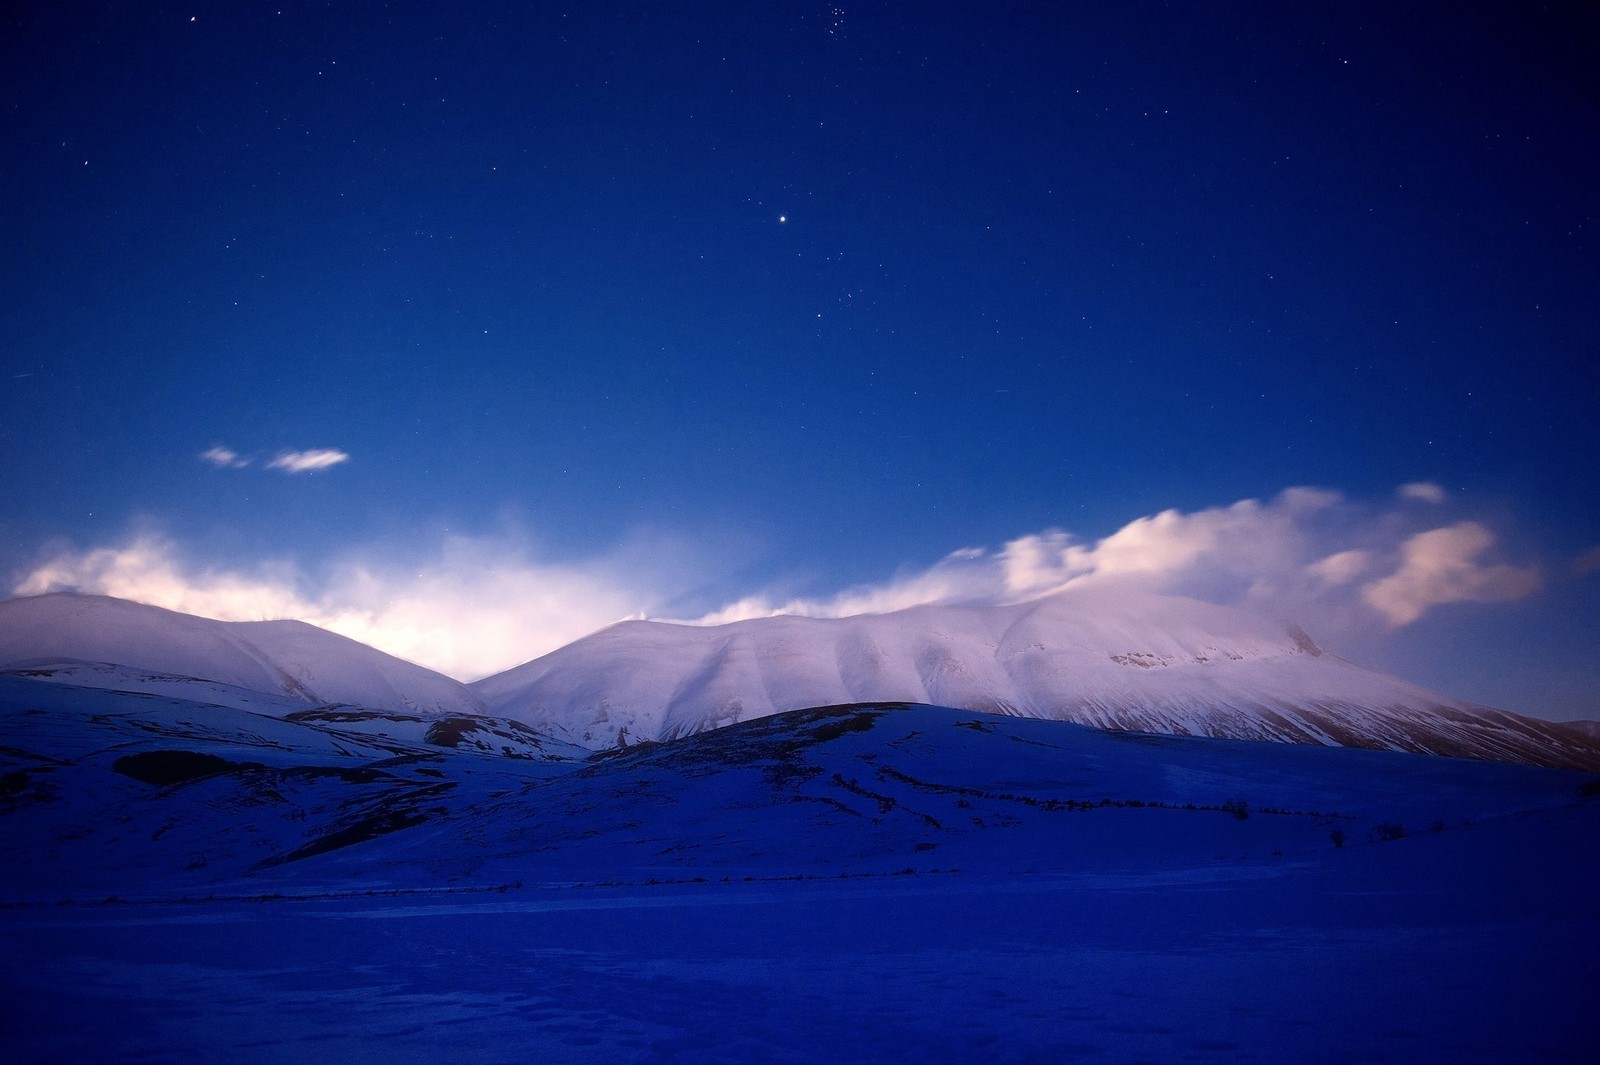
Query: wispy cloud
x=1421, y=492
x=475, y=605
x=224, y=458
x=1443, y=566
x=308, y=461
x=1308, y=553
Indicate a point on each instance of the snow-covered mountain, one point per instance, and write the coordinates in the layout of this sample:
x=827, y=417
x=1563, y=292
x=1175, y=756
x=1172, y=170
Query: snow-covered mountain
x=1133, y=662
x=52, y=635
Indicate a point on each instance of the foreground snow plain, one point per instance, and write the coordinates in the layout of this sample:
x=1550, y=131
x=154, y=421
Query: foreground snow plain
x=1410, y=951
x=866, y=883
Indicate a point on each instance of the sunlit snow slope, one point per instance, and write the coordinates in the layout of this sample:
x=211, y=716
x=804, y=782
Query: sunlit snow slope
x=290, y=659
x=1135, y=662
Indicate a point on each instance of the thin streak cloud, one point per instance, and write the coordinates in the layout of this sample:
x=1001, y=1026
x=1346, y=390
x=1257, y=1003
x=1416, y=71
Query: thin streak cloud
x=1421, y=492
x=308, y=461
x=224, y=458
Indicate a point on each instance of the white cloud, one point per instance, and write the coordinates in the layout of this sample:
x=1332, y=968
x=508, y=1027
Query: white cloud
x=1341, y=567
x=1441, y=566
x=145, y=570
x=1306, y=553
x=1421, y=492
x=224, y=458
x=307, y=461
x=1236, y=544
x=474, y=606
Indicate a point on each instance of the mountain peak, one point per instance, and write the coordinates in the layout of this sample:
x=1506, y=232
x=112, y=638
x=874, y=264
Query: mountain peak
x=280, y=657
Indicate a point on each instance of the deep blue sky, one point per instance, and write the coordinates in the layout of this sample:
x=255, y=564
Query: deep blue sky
x=837, y=288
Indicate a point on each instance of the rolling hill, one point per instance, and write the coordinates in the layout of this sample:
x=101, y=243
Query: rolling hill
x=291, y=660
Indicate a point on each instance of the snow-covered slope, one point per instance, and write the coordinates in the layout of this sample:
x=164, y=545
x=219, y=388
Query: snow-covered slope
x=879, y=788
x=112, y=677
x=282, y=658
x=189, y=883
x=126, y=791
x=1144, y=663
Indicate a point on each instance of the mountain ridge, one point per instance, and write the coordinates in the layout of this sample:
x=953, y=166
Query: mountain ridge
x=284, y=658
x=1123, y=661
x=1133, y=662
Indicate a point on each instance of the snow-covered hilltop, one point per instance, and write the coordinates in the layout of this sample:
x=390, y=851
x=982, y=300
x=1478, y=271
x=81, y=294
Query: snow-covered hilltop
x=1131, y=662
x=1134, y=662
x=289, y=659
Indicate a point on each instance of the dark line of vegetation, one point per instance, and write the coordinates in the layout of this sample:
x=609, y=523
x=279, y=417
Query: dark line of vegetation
x=886, y=803
x=1239, y=809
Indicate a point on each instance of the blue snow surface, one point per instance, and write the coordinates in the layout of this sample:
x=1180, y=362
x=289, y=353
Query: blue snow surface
x=879, y=883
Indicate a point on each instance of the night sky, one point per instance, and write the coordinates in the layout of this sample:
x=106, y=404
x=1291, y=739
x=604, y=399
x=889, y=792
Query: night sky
x=520, y=318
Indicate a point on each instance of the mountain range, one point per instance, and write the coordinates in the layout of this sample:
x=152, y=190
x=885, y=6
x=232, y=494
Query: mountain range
x=1131, y=662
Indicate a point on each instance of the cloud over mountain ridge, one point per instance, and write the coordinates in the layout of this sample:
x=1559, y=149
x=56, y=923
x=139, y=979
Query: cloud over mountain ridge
x=474, y=605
